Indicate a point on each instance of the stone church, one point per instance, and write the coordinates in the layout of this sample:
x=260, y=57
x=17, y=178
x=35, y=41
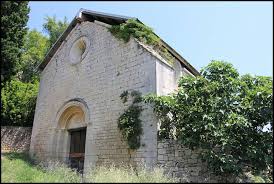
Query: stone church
x=82, y=78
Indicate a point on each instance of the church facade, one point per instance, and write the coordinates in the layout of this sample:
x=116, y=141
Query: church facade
x=82, y=78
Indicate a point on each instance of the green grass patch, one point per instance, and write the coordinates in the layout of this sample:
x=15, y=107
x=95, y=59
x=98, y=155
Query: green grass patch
x=19, y=168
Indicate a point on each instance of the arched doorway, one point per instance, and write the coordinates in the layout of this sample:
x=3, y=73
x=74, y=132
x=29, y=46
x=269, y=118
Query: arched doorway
x=70, y=134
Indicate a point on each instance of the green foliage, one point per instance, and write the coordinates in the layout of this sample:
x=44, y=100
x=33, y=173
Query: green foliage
x=222, y=113
x=258, y=179
x=143, y=33
x=129, y=122
x=165, y=54
x=136, y=29
x=35, y=48
x=54, y=28
x=137, y=96
x=18, y=103
x=163, y=107
x=14, y=17
x=20, y=91
x=254, y=177
x=124, y=96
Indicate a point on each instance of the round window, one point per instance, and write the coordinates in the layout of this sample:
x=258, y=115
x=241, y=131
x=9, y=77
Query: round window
x=78, y=50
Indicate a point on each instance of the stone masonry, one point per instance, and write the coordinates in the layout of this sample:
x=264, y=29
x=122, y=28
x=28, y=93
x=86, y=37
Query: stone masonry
x=15, y=138
x=109, y=68
x=183, y=163
x=86, y=92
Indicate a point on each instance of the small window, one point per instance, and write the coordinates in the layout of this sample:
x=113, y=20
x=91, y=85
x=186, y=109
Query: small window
x=78, y=50
x=82, y=46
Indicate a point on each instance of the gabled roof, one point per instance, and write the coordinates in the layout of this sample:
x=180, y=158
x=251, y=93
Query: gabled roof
x=88, y=15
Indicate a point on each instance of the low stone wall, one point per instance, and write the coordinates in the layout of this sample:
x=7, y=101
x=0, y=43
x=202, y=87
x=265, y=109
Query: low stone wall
x=183, y=163
x=15, y=138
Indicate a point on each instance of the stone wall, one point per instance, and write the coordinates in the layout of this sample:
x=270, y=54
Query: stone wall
x=109, y=68
x=183, y=163
x=15, y=138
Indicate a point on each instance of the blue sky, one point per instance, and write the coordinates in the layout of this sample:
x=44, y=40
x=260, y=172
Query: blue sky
x=237, y=32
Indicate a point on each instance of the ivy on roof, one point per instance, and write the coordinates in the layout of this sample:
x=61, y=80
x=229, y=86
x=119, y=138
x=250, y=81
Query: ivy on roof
x=143, y=33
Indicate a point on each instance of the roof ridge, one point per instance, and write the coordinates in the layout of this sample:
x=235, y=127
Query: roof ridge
x=84, y=14
x=105, y=14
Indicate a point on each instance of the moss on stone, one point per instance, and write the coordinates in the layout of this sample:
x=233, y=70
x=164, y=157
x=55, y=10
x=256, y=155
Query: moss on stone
x=143, y=33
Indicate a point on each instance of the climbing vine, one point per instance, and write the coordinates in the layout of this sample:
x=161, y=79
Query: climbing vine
x=129, y=122
x=143, y=33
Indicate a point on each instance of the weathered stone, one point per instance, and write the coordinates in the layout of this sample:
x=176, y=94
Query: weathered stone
x=176, y=154
x=15, y=139
x=160, y=145
x=160, y=157
x=192, y=161
x=188, y=152
x=187, y=167
x=165, y=158
x=161, y=151
x=82, y=89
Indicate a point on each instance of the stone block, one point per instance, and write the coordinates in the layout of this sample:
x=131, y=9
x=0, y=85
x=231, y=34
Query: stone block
x=188, y=152
x=161, y=151
x=160, y=157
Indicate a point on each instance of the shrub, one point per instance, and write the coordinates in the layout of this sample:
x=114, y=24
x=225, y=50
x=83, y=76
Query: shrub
x=222, y=113
x=143, y=33
x=18, y=101
x=136, y=29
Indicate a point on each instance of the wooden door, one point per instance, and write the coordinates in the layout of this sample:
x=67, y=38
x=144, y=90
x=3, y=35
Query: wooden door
x=77, y=149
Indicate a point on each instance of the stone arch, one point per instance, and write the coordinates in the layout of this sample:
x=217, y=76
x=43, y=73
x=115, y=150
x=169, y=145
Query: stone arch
x=72, y=114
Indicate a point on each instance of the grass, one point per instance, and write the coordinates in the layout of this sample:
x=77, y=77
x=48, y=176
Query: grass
x=19, y=168
x=128, y=174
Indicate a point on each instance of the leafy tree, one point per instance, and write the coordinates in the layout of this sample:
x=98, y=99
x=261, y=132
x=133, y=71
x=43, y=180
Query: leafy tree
x=35, y=48
x=36, y=45
x=14, y=17
x=222, y=114
x=19, y=93
x=18, y=103
x=54, y=28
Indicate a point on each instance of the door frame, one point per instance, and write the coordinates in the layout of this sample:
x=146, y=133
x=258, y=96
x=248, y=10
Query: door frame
x=83, y=154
